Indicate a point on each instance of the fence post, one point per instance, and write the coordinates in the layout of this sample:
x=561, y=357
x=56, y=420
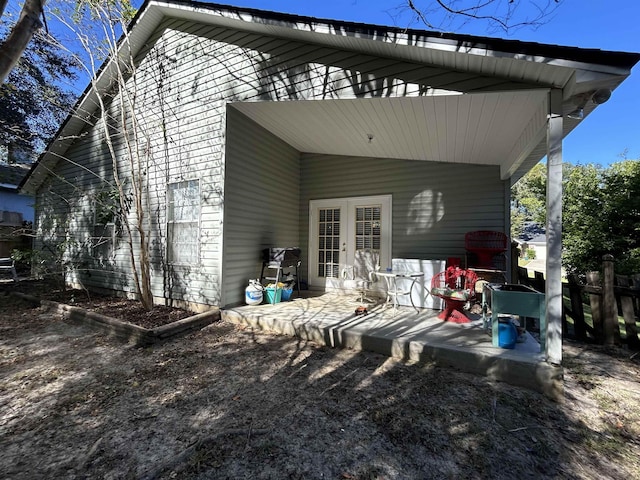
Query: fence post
x=575, y=294
x=627, y=309
x=609, y=307
x=595, y=302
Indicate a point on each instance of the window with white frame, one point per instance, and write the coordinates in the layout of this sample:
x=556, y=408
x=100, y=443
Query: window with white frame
x=183, y=222
x=103, y=240
x=103, y=234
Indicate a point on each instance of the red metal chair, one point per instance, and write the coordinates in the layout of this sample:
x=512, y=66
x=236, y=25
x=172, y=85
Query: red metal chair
x=455, y=287
x=485, y=245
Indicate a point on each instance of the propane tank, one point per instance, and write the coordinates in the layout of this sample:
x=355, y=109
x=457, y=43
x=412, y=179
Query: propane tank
x=253, y=293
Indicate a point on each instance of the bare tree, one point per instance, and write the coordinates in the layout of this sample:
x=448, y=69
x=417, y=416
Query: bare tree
x=499, y=15
x=117, y=115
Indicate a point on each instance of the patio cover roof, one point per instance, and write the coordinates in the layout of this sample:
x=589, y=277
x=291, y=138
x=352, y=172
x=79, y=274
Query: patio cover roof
x=497, y=114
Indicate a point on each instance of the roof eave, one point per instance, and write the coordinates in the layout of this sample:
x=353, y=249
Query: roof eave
x=588, y=65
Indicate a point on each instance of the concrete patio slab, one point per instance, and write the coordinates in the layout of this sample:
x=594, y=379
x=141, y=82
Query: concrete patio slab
x=330, y=319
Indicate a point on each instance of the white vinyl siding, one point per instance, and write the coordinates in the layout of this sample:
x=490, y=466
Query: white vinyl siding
x=434, y=204
x=254, y=189
x=262, y=193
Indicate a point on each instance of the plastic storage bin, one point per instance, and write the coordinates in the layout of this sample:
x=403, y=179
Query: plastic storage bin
x=273, y=295
x=507, y=335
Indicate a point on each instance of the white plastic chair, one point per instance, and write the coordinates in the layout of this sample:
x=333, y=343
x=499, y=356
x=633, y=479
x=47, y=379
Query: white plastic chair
x=9, y=265
x=366, y=263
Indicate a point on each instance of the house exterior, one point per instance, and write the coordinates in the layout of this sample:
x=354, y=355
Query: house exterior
x=534, y=238
x=266, y=129
x=11, y=202
x=16, y=210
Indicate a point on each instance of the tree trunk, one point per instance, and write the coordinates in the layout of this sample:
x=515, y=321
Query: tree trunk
x=22, y=32
x=3, y=5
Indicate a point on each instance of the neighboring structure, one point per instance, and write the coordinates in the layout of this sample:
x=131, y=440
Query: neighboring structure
x=268, y=129
x=11, y=202
x=534, y=238
x=15, y=210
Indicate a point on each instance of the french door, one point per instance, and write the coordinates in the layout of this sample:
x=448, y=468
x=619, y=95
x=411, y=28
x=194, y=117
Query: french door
x=340, y=226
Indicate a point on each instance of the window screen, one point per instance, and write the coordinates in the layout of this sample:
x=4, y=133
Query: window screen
x=183, y=222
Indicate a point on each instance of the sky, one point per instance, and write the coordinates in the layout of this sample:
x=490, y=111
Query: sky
x=612, y=129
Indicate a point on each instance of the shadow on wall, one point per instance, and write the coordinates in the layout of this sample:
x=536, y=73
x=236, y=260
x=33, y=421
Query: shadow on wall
x=425, y=210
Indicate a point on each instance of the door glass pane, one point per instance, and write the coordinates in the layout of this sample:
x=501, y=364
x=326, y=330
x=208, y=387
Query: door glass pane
x=368, y=213
x=368, y=226
x=329, y=242
x=334, y=271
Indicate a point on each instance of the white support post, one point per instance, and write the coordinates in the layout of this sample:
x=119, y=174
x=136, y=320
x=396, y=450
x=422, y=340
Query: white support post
x=553, y=291
x=507, y=221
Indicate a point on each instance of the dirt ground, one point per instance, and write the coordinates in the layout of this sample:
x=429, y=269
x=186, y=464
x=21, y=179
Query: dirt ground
x=230, y=403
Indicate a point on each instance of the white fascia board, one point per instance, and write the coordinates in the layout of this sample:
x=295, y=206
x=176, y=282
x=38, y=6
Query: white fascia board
x=315, y=30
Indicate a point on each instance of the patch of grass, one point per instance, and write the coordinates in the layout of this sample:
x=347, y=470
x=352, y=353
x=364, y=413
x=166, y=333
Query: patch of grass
x=608, y=444
x=605, y=401
x=585, y=379
x=37, y=378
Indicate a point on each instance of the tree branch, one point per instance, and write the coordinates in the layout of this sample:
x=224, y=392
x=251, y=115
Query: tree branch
x=20, y=36
x=502, y=14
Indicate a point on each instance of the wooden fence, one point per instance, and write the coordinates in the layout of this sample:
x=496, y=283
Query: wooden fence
x=609, y=296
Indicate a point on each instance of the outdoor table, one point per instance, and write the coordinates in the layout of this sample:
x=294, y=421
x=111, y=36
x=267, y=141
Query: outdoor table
x=490, y=274
x=515, y=299
x=395, y=281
